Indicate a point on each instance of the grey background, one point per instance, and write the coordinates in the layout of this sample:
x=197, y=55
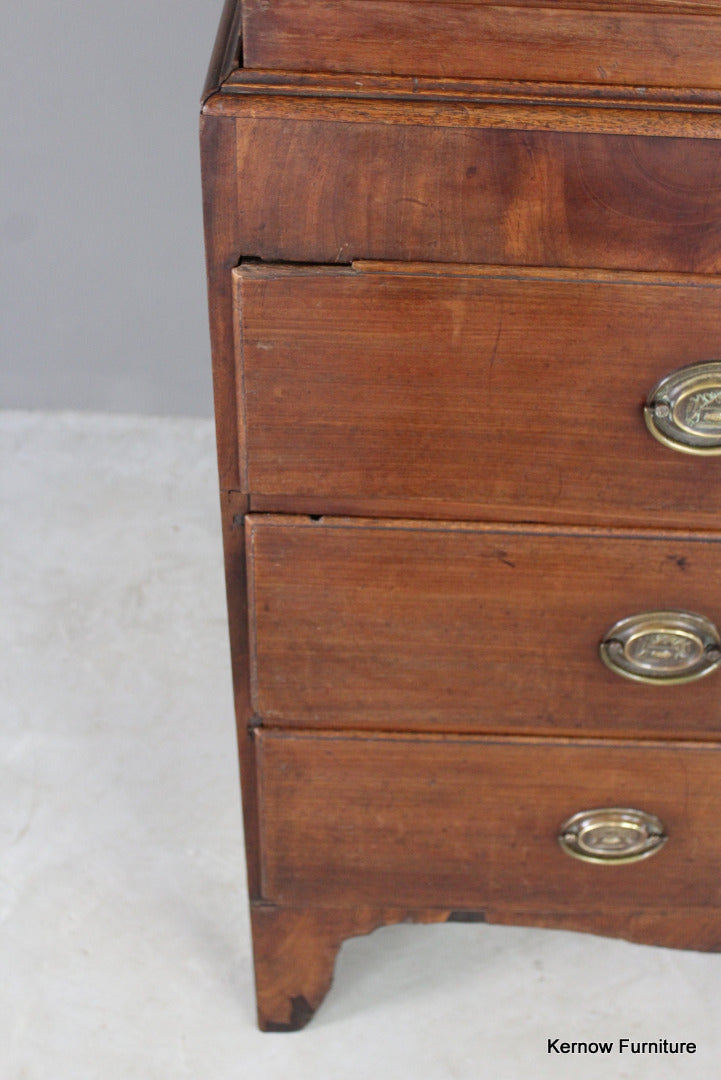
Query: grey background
x=102, y=284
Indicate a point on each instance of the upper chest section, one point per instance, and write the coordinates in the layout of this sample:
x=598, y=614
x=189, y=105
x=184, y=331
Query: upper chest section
x=649, y=43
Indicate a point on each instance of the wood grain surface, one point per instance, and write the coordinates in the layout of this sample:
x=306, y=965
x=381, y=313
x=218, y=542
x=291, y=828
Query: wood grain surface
x=404, y=625
x=295, y=947
x=423, y=89
x=472, y=385
x=471, y=238
x=463, y=823
x=233, y=509
x=403, y=182
x=225, y=57
x=294, y=952
x=220, y=216
x=611, y=45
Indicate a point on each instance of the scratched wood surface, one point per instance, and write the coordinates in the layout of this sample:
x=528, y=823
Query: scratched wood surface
x=494, y=389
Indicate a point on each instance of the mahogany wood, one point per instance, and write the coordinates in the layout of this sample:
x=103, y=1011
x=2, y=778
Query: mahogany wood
x=407, y=182
x=220, y=210
x=463, y=823
x=233, y=510
x=295, y=950
x=614, y=44
x=481, y=386
x=437, y=509
x=296, y=947
x=415, y=698
x=226, y=51
x=537, y=96
x=402, y=625
x=488, y=104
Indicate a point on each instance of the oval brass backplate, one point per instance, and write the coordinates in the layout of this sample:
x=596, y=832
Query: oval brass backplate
x=683, y=410
x=662, y=647
x=612, y=835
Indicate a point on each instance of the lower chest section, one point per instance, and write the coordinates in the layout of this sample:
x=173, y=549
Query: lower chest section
x=469, y=397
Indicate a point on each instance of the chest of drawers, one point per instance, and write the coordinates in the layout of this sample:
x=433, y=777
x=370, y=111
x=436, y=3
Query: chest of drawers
x=464, y=266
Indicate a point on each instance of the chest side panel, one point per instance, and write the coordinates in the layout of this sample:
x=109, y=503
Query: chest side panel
x=473, y=823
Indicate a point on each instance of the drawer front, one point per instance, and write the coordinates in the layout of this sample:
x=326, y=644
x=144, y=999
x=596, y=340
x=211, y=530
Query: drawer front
x=464, y=823
x=611, y=45
x=513, y=394
x=403, y=625
x=407, y=181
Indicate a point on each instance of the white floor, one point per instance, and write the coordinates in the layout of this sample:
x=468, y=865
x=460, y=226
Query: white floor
x=124, y=948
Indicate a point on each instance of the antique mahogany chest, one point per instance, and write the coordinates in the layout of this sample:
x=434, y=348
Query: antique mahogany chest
x=465, y=294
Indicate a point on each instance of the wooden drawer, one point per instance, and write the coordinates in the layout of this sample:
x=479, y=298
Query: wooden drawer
x=541, y=185
x=483, y=392
x=619, y=42
x=410, y=625
x=469, y=823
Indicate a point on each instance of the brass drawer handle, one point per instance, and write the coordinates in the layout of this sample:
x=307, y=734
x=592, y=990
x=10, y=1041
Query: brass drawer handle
x=683, y=410
x=612, y=835
x=662, y=647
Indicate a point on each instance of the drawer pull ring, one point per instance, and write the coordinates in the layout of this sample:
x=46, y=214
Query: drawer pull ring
x=683, y=410
x=662, y=647
x=612, y=835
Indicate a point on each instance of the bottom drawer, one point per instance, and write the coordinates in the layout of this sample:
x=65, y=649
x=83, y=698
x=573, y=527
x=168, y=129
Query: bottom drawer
x=465, y=823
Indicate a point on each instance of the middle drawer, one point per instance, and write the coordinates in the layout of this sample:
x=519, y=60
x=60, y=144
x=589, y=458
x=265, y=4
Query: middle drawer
x=473, y=628
x=484, y=392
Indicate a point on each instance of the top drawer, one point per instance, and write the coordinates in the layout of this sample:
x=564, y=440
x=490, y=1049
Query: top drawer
x=672, y=43
x=484, y=392
x=319, y=177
